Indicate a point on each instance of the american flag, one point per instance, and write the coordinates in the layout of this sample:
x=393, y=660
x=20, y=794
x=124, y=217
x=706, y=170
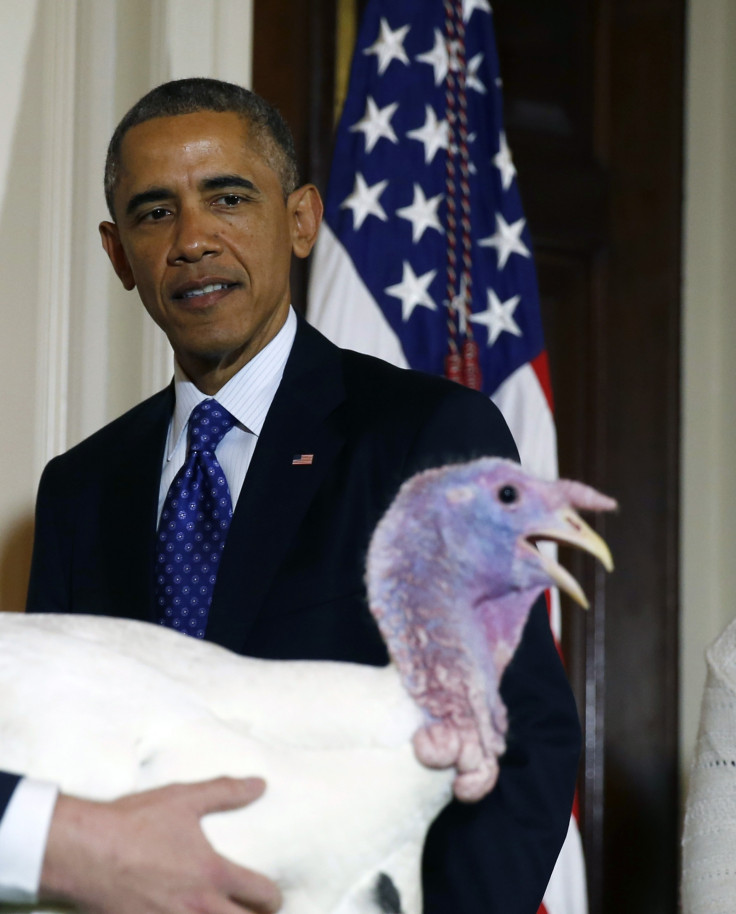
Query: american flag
x=425, y=257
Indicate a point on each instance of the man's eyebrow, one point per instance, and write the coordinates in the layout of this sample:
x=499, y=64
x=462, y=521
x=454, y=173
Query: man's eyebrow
x=152, y=195
x=219, y=182
x=160, y=194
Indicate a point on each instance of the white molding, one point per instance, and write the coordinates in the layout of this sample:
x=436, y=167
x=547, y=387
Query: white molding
x=190, y=37
x=156, y=359
x=90, y=307
x=206, y=38
x=59, y=39
x=233, y=41
x=708, y=483
x=193, y=38
x=159, y=68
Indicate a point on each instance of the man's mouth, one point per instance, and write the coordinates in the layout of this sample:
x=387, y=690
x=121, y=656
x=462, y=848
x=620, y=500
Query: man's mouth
x=212, y=287
x=199, y=292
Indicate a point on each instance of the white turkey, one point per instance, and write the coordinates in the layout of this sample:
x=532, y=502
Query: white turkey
x=107, y=706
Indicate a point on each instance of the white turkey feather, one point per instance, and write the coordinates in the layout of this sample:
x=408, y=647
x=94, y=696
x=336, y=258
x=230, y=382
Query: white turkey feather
x=175, y=709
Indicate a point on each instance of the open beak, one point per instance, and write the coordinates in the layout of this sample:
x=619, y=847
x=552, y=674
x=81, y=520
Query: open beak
x=572, y=531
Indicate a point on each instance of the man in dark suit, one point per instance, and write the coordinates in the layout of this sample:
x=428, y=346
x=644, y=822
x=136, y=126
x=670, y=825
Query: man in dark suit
x=207, y=212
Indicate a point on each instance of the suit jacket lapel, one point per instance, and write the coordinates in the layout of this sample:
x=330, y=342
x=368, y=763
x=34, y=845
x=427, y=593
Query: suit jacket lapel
x=276, y=493
x=129, y=511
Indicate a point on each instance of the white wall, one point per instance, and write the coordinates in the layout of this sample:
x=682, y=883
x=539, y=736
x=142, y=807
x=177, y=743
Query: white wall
x=708, y=519
x=19, y=233
x=75, y=350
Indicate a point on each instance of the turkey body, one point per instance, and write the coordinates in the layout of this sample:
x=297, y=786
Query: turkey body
x=171, y=709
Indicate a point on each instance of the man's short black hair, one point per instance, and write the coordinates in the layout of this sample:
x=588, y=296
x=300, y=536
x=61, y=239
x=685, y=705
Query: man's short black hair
x=186, y=96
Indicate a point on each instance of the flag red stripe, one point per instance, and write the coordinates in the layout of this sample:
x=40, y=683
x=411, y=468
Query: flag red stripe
x=541, y=368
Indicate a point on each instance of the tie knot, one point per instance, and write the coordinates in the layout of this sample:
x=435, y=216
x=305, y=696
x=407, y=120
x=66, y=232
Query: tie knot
x=208, y=425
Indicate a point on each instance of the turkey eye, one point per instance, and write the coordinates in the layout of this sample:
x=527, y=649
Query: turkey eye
x=508, y=495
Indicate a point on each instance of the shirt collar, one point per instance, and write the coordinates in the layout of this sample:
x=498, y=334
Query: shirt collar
x=247, y=395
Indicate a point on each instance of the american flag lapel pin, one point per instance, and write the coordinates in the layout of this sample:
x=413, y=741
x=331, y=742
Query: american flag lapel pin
x=302, y=460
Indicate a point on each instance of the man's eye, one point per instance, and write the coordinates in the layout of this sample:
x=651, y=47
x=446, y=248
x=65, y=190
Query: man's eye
x=230, y=199
x=155, y=214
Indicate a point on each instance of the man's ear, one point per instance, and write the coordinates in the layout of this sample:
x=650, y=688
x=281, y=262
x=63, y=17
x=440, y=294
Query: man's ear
x=305, y=209
x=114, y=250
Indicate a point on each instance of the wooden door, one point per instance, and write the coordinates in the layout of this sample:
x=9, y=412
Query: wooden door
x=594, y=115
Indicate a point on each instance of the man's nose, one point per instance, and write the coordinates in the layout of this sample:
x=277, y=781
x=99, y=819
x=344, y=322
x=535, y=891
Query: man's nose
x=196, y=236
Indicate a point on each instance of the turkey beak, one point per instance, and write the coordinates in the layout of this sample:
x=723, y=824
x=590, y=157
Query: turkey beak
x=571, y=530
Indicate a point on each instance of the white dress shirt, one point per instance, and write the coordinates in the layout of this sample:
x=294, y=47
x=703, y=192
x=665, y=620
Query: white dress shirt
x=24, y=831
x=247, y=396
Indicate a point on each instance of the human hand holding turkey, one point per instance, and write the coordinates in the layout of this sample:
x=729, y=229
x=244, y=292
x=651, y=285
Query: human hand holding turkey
x=146, y=854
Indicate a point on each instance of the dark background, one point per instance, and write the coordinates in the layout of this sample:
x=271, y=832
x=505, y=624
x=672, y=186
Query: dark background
x=594, y=116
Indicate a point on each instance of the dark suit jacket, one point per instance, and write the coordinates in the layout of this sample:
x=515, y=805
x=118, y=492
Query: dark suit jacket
x=290, y=583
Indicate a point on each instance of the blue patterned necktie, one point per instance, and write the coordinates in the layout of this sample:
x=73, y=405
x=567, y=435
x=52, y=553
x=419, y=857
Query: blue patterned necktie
x=193, y=527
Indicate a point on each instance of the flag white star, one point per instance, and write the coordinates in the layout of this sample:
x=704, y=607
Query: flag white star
x=498, y=317
x=469, y=6
x=412, y=290
x=422, y=214
x=456, y=151
x=438, y=58
x=507, y=240
x=389, y=45
x=376, y=123
x=503, y=162
x=364, y=201
x=433, y=133
x=472, y=81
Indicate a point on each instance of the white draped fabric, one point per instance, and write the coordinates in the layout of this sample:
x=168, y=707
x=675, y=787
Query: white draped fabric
x=709, y=838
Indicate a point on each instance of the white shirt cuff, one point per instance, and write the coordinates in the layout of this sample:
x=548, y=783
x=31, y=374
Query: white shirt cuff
x=24, y=830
